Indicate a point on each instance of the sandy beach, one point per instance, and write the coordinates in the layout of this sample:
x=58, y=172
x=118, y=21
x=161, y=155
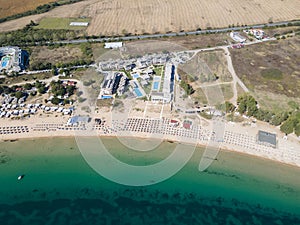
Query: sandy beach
x=236, y=137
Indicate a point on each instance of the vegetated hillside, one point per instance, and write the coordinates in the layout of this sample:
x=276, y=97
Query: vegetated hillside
x=270, y=66
x=271, y=72
x=12, y=7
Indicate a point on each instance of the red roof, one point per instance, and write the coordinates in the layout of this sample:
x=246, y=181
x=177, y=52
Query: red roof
x=187, y=125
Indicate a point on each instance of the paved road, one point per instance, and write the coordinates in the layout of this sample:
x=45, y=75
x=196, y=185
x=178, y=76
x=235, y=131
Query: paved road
x=136, y=37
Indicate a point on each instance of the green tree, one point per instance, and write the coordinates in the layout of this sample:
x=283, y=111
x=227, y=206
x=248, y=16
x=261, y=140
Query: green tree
x=297, y=130
x=55, y=101
x=288, y=126
x=42, y=89
x=70, y=90
x=247, y=104
x=19, y=94
x=242, y=107
x=38, y=84
x=66, y=101
x=28, y=86
x=187, y=88
x=279, y=118
x=229, y=107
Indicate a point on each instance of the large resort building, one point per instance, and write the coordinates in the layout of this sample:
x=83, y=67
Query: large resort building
x=12, y=59
x=150, y=77
x=114, y=83
x=166, y=95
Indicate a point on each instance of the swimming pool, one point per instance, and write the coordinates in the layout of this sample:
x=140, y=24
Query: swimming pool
x=136, y=75
x=138, y=92
x=106, y=97
x=155, y=85
x=4, y=62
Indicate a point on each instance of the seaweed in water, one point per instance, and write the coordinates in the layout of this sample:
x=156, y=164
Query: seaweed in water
x=222, y=174
x=4, y=158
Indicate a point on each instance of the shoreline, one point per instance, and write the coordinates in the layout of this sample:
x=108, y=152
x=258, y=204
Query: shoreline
x=169, y=140
x=236, y=137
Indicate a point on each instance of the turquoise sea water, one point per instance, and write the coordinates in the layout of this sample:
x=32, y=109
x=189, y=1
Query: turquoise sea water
x=60, y=188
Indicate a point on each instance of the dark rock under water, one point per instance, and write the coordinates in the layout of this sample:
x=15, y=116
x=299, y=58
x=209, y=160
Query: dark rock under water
x=122, y=209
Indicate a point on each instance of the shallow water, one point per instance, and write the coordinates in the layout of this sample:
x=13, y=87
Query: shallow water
x=59, y=187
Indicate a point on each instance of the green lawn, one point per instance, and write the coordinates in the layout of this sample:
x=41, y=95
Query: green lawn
x=61, y=23
x=272, y=74
x=158, y=70
x=227, y=91
x=200, y=97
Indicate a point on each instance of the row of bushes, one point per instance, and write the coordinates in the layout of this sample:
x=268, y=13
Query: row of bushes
x=58, y=89
x=289, y=122
x=47, y=65
x=41, y=88
x=28, y=36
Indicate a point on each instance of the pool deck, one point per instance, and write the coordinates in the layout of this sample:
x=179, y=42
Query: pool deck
x=137, y=89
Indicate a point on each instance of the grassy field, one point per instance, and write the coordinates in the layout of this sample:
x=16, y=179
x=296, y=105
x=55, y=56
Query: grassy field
x=240, y=90
x=281, y=30
x=151, y=16
x=206, y=67
x=12, y=7
x=271, y=71
x=63, y=54
x=272, y=74
x=200, y=41
x=227, y=91
x=99, y=51
x=272, y=66
x=217, y=64
x=200, y=97
x=61, y=23
x=276, y=102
